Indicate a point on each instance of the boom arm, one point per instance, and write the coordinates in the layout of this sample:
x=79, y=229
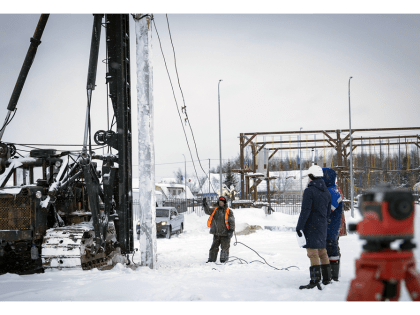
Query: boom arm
x=30, y=56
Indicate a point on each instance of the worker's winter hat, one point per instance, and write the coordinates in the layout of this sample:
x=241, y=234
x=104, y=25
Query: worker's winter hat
x=315, y=171
x=329, y=176
x=221, y=198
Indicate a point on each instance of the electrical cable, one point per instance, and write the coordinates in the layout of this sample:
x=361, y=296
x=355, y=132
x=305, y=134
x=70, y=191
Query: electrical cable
x=188, y=162
x=240, y=259
x=176, y=103
x=52, y=145
x=176, y=68
x=9, y=121
x=265, y=262
x=112, y=122
x=185, y=107
x=107, y=91
x=37, y=148
x=89, y=96
x=27, y=146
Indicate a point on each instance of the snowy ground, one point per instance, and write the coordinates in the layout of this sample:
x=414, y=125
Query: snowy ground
x=183, y=275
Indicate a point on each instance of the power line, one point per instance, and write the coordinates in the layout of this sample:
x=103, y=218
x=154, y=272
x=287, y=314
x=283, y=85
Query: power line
x=176, y=103
x=56, y=145
x=187, y=162
x=185, y=107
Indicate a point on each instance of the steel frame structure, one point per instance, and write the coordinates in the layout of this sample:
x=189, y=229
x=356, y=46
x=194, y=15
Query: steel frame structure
x=339, y=140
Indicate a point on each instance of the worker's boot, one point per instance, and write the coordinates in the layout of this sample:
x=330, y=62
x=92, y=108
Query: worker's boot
x=335, y=269
x=326, y=274
x=212, y=257
x=223, y=257
x=315, y=272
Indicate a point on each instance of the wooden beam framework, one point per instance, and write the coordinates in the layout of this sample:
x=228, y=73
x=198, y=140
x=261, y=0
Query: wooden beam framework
x=339, y=140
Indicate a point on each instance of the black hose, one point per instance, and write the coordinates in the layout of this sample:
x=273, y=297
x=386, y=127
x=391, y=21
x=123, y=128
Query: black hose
x=240, y=259
x=265, y=262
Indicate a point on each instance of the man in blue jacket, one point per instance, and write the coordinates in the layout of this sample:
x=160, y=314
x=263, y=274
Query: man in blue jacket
x=334, y=221
x=316, y=208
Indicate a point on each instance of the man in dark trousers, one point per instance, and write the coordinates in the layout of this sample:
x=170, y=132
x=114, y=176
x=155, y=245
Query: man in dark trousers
x=313, y=221
x=222, y=225
x=334, y=221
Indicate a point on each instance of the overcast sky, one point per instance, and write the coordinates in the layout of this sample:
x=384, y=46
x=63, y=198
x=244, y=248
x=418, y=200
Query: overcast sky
x=280, y=72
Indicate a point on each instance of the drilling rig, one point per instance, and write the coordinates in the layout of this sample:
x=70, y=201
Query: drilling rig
x=57, y=209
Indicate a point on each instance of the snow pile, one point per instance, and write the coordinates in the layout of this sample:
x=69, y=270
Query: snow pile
x=243, y=218
x=196, y=224
x=256, y=216
x=11, y=190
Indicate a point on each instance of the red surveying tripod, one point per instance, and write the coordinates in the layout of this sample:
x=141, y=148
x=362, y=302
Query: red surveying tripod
x=388, y=215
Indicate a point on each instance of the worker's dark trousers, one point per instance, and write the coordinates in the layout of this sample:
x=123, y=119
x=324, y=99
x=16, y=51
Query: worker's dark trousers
x=224, y=243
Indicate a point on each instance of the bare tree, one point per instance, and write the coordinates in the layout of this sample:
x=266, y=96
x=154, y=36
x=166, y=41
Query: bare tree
x=179, y=176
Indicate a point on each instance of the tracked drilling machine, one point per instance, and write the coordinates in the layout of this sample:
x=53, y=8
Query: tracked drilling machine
x=57, y=210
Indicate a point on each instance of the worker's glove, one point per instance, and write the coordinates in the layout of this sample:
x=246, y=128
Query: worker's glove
x=204, y=202
x=230, y=234
x=298, y=233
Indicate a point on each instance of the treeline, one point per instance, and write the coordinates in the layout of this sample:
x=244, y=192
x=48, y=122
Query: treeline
x=401, y=169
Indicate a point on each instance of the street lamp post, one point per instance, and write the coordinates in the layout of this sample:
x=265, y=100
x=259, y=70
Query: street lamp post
x=209, y=178
x=185, y=180
x=220, y=139
x=351, y=160
x=300, y=163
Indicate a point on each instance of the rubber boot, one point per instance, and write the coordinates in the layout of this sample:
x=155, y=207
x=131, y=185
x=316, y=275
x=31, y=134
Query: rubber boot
x=315, y=272
x=212, y=257
x=335, y=269
x=223, y=257
x=326, y=274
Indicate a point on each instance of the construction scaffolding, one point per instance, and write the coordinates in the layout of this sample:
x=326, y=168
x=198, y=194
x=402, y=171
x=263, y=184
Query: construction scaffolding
x=383, y=154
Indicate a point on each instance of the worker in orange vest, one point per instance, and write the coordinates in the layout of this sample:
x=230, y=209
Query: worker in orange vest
x=222, y=225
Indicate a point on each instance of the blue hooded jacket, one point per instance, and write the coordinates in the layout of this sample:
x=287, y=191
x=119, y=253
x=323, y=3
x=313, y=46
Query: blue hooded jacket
x=316, y=207
x=334, y=221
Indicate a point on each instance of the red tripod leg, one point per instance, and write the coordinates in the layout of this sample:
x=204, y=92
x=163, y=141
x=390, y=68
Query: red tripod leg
x=365, y=287
x=412, y=282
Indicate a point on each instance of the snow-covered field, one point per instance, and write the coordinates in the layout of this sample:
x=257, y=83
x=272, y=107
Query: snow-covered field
x=183, y=275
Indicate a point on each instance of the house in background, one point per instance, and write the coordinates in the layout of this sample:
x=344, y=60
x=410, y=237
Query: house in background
x=163, y=191
x=173, y=191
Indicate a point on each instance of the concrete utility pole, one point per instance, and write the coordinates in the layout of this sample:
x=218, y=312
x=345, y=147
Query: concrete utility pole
x=145, y=110
x=351, y=160
x=220, y=141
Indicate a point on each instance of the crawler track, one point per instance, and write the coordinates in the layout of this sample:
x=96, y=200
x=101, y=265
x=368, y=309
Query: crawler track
x=73, y=247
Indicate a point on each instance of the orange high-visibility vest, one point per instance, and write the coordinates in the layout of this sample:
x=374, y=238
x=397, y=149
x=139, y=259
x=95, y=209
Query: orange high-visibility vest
x=226, y=218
